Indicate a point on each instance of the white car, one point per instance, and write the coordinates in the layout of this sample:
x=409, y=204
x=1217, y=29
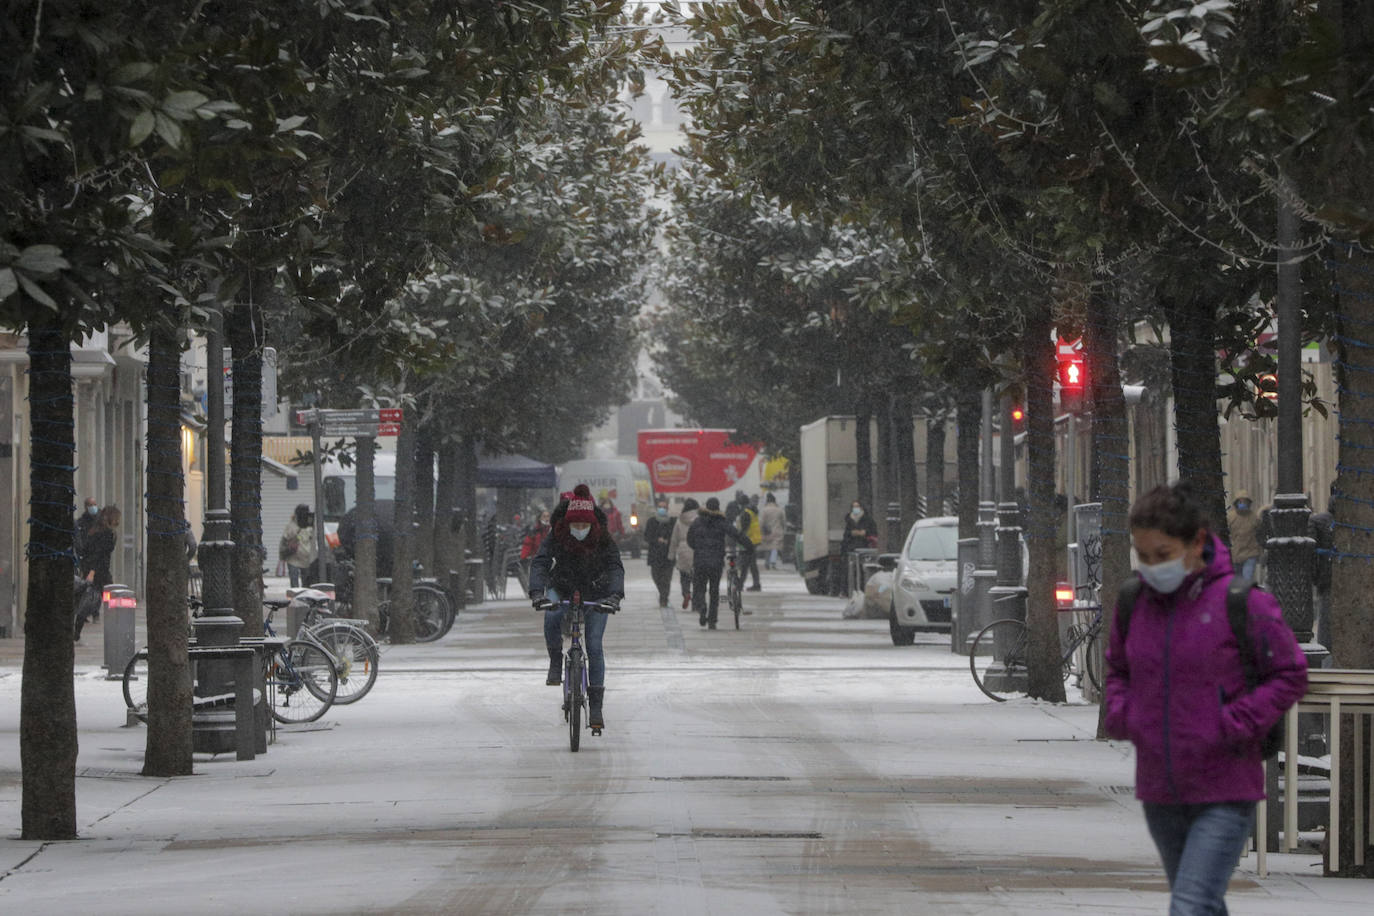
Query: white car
x=924, y=579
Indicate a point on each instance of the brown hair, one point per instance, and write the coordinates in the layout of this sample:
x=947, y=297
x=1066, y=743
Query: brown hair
x=1170, y=509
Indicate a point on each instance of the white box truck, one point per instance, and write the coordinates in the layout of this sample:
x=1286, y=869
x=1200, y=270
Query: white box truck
x=830, y=483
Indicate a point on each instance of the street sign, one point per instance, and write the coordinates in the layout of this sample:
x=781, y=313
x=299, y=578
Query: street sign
x=366, y=422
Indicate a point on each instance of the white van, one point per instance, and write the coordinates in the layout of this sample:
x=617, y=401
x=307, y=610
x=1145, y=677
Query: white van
x=622, y=480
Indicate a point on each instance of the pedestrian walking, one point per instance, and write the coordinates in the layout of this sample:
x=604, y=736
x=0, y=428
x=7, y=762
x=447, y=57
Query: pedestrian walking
x=1244, y=524
x=85, y=524
x=681, y=551
x=579, y=556
x=707, y=538
x=747, y=521
x=98, y=549
x=1196, y=709
x=772, y=524
x=297, y=547
x=658, y=535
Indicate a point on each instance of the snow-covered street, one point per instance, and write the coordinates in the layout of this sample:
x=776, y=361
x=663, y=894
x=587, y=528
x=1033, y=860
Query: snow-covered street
x=801, y=765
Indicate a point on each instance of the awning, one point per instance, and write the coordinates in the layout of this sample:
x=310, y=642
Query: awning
x=515, y=471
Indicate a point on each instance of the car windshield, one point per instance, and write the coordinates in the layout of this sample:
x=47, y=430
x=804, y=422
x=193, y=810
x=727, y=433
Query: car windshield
x=937, y=542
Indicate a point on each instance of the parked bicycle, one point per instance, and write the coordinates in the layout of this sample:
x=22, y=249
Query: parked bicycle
x=575, y=674
x=999, y=656
x=356, y=655
x=300, y=675
x=734, y=587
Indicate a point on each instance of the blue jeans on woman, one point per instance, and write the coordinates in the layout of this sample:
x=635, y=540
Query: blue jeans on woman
x=592, y=631
x=1200, y=846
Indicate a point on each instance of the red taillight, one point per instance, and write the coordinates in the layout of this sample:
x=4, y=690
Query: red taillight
x=1063, y=595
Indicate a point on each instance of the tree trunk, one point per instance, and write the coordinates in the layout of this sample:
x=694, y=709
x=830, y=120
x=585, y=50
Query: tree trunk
x=906, y=457
x=968, y=430
x=47, y=705
x=424, y=500
x=245, y=455
x=167, y=751
x=1038, y=365
x=863, y=451
x=1352, y=601
x=1193, y=372
x=365, y=529
x=1111, y=461
x=447, y=558
x=935, y=464
x=467, y=501
x=402, y=627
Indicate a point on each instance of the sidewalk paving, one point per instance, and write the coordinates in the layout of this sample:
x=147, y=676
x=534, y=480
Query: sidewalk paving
x=800, y=765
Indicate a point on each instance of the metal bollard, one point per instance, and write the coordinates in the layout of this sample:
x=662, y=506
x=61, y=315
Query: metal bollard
x=119, y=613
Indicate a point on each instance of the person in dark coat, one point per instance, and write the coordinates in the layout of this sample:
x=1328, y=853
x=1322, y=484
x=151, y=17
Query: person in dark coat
x=658, y=534
x=98, y=547
x=579, y=555
x=860, y=530
x=707, y=538
x=85, y=525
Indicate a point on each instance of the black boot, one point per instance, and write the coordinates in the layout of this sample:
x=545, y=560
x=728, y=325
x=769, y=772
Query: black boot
x=555, y=668
x=594, y=697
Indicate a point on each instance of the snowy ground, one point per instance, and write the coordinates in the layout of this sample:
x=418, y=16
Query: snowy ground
x=800, y=765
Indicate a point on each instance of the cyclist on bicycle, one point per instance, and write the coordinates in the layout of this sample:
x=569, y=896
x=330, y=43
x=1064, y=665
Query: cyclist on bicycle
x=578, y=555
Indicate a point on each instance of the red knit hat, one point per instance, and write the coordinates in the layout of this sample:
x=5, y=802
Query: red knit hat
x=581, y=509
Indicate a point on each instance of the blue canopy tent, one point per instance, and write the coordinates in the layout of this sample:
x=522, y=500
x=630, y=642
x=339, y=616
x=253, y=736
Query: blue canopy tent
x=515, y=472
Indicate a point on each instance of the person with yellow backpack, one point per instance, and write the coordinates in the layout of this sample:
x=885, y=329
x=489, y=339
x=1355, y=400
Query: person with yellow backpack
x=747, y=521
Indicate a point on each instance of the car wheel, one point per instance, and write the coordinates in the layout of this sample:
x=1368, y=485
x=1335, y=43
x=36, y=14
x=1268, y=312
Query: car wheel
x=901, y=636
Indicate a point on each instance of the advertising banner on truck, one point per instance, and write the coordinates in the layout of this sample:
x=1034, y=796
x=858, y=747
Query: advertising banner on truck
x=694, y=460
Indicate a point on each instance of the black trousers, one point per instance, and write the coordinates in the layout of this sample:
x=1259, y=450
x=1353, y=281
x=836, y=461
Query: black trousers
x=663, y=578
x=706, y=592
x=749, y=562
x=685, y=577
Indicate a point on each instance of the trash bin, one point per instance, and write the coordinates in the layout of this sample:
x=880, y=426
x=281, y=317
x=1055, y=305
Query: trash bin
x=476, y=582
x=119, y=613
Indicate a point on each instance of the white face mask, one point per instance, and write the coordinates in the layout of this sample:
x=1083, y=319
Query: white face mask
x=92, y=510
x=1165, y=577
x=580, y=531
x=662, y=512
x=856, y=512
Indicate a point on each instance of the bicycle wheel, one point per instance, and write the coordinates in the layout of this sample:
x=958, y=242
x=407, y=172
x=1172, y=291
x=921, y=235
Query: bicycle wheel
x=998, y=659
x=736, y=596
x=432, y=618
x=304, y=682
x=1092, y=662
x=575, y=696
x=356, y=655
x=136, y=685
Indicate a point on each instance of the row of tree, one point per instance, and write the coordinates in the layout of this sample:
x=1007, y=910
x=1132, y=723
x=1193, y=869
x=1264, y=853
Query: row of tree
x=438, y=205
x=955, y=181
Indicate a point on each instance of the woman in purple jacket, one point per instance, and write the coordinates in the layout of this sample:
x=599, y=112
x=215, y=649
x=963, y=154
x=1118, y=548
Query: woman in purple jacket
x=1176, y=688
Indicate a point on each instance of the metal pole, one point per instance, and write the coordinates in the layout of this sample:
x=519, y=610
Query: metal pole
x=216, y=544
x=320, y=546
x=1290, y=545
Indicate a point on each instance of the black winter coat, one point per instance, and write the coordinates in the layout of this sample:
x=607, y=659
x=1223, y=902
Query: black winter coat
x=707, y=538
x=658, y=533
x=564, y=564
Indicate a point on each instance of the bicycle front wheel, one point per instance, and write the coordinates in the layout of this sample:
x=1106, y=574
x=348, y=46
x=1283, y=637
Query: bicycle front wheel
x=736, y=601
x=575, y=699
x=998, y=659
x=136, y=685
x=1092, y=662
x=356, y=655
x=304, y=683
x=432, y=617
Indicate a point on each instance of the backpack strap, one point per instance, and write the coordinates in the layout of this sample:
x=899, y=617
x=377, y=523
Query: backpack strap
x=1125, y=603
x=1238, y=613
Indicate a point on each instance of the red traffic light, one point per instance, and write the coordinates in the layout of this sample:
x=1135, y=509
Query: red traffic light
x=1071, y=374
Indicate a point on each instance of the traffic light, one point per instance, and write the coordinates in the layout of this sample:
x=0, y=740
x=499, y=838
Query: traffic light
x=1072, y=382
x=1018, y=419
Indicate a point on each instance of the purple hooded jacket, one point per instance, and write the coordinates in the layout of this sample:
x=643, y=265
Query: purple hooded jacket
x=1175, y=687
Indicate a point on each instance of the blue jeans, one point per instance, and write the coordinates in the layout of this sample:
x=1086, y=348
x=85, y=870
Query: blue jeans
x=591, y=640
x=1247, y=568
x=1200, y=846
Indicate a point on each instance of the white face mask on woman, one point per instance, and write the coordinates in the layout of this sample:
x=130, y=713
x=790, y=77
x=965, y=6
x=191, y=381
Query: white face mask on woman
x=1165, y=577
x=856, y=512
x=580, y=531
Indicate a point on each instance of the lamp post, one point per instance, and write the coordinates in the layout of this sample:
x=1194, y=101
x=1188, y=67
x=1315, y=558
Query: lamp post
x=216, y=544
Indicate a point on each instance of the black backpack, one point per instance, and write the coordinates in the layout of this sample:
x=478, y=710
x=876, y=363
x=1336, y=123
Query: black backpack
x=1238, y=613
